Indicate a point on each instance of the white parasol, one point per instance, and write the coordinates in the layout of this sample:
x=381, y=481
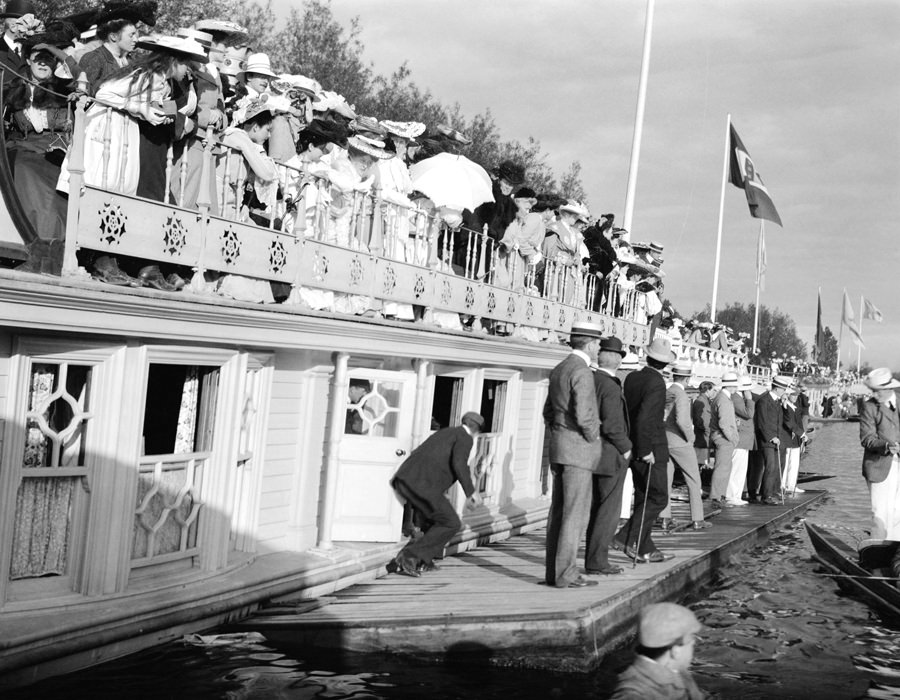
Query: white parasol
x=452, y=181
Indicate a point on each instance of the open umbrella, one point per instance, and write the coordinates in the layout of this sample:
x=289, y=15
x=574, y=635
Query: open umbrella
x=452, y=181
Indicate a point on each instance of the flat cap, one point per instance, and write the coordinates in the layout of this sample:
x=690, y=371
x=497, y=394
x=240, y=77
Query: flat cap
x=663, y=624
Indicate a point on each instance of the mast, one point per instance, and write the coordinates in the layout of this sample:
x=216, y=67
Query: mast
x=715, y=295
x=759, y=248
x=859, y=345
x=837, y=362
x=638, y=123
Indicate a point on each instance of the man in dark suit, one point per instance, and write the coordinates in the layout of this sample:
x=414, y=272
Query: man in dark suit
x=574, y=424
x=422, y=480
x=609, y=474
x=11, y=58
x=645, y=397
x=767, y=420
x=879, y=434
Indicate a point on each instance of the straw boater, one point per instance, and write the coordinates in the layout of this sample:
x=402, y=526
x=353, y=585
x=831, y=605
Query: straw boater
x=571, y=415
x=645, y=397
x=879, y=434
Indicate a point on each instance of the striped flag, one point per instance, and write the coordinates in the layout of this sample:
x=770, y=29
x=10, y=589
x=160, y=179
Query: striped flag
x=870, y=312
x=745, y=175
x=848, y=318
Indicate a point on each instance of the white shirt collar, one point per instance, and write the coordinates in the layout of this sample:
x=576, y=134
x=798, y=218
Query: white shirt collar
x=610, y=372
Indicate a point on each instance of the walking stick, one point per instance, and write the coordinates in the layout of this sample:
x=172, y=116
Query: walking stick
x=637, y=544
x=780, y=470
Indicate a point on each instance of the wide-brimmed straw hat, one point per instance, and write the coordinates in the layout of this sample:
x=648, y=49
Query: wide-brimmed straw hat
x=205, y=39
x=661, y=350
x=221, y=26
x=134, y=12
x=405, y=130
x=577, y=208
x=186, y=48
x=881, y=378
x=332, y=101
x=586, y=328
x=512, y=172
x=368, y=126
x=286, y=82
x=250, y=107
x=369, y=146
x=257, y=63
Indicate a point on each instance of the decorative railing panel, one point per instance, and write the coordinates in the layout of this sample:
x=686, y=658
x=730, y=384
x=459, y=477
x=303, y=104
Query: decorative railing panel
x=253, y=251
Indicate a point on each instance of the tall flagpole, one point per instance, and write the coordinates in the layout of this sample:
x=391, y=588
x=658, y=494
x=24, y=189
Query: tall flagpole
x=715, y=296
x=759, y=247
x=638, y=123
x=859, y=345
x=837, y=366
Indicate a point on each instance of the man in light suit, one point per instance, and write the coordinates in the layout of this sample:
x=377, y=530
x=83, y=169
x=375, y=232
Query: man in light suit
x=724, y=435
x=645, y=397
x=767, y=421
x=744, y=409
x=573, y=421
x=680, y=436
x=423, y=479
x=879, y=434
x=609, y=473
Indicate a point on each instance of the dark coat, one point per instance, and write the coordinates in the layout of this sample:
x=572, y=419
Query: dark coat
x=802, y=404
x=613, y=423
x=701, y=414
x=791, y=426
x=645, y=399
x=497, y=214
x=767, y=420
x=439, y=462
x=878, y=427
x=571, y=414
x=11, y=61
x=97, y=66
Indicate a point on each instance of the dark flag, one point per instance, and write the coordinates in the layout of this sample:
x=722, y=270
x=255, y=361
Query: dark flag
x=820, y=331
x=745, y=175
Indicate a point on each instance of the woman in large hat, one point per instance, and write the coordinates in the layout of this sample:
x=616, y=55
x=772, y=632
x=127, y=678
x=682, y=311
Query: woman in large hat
x=520, y=247
x=117, y=31
x=40, y=125
x=564, y=246
x=135, y=112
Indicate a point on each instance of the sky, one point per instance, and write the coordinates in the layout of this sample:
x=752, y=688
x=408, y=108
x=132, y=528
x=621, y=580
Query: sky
x=812, y=89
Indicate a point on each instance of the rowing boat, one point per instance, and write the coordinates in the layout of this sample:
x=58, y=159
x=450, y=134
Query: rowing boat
x=878, y=591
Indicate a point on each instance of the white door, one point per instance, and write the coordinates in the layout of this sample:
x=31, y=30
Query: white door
x=377, y=438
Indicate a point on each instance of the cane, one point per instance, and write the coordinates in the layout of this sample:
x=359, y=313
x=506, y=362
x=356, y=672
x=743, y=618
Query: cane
x=780, y=471
x=637, y=544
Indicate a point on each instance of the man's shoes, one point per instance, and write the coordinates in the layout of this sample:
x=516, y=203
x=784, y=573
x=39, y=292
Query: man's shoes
x=667, y=524
x=407, y=564
x=427, y=566
x=608, y=570
x=106, y=269
x=700, y=525
x=656, y=557
x=798, y=491
x=582, y=582
x=739, y=502
x=617, y=545
x=152, y=277
x=631, y=553
x=770, y=502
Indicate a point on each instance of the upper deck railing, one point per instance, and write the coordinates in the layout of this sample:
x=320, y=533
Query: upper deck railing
x=350, y=242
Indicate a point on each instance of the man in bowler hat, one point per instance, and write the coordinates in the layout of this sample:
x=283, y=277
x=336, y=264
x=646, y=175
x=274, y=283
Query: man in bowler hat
x=610, y=470
x=574, y=424
x=422, y=480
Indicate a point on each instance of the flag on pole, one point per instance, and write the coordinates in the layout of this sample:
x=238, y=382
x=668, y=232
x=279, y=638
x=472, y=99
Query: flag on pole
x=761, y=264
x=745, y=175
x=848, y=318
x=820, y=331
x=870, y=312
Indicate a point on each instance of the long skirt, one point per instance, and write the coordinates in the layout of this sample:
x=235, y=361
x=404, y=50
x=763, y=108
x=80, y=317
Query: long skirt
x=35, y=176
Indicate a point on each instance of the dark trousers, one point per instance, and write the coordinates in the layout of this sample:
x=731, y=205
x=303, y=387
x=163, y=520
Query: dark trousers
x=755, y=471
x=650, y=482
x=569, y=512
x=773, y=463
x=606, y=505
x=154, y=147
x=438, y=517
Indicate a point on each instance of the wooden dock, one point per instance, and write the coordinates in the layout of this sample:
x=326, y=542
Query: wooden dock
x=489, y=605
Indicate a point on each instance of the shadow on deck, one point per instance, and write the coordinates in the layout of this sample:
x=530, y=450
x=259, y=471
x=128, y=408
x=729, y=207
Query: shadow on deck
x=490, y=606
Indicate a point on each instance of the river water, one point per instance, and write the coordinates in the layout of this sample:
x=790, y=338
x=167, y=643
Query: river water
x=775, y=628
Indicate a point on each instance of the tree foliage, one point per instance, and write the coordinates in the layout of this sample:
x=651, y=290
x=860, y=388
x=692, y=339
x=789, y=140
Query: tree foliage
x=777, y=331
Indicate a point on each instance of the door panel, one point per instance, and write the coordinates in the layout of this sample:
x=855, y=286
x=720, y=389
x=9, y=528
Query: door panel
x=377, y=437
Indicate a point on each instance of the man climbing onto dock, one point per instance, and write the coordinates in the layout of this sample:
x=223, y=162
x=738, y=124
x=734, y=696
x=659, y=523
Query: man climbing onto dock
x=423, y=479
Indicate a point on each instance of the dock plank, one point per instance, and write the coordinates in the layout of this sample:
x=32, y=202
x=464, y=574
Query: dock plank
x=491, y=604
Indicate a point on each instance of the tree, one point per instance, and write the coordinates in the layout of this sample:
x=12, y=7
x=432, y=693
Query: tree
x=777, y=331
x=830, y=349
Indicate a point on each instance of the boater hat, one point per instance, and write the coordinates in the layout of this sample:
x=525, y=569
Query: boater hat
x=630, y=362
x=661, y=350
x=881, y=378
x=730, y=380
x=782, y=382
x=682, y=369
x=372, y=147
x=586, y=328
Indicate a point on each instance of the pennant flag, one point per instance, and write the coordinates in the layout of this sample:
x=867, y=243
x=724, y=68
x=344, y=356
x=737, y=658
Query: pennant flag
x=761, y=264
x=744, y=175
x=870, y=312
x=848, y=318
x=820, y=331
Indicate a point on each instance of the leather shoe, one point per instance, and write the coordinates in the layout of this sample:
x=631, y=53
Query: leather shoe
x=655, y=557
x=700, y=524
x=616, y=545
x=770, y=502
x=407, y=565
x=608, y=570
x=152, y=277
x=106, y=269
x=582, y=582
x=430, y=566
x=632, y=554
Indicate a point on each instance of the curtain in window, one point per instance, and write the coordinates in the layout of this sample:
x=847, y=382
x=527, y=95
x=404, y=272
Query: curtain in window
x=187, y=414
